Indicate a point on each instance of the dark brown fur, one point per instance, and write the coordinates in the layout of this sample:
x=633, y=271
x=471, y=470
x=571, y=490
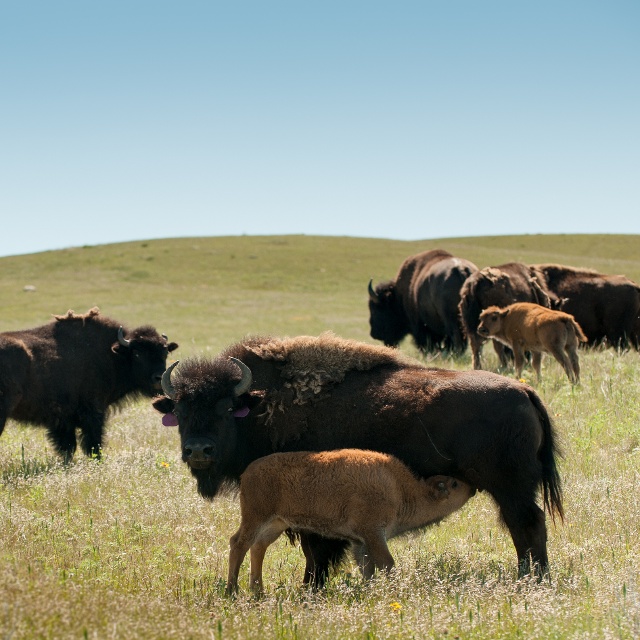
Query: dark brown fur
x=490, y=431
x=607, y=307
x=66, y=374
x=422, y=301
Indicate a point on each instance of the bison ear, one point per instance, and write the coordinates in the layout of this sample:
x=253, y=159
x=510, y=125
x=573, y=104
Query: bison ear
x=163, y=404
x=172, y=346
x=118, y=349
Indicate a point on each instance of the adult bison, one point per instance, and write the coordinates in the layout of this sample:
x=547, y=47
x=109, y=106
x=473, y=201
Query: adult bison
x=66, y=374
x=422, y=301
x=607, y=307
x=318, y=393
x=498, y=286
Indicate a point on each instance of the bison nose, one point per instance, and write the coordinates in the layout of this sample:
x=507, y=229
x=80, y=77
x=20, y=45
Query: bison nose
x=198, y=452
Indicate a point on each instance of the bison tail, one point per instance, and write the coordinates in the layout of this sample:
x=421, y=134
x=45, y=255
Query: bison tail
x=551, y=484
x=579, y=332
x=470, y=310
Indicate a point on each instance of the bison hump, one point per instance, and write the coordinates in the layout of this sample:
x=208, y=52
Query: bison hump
x=312, y=364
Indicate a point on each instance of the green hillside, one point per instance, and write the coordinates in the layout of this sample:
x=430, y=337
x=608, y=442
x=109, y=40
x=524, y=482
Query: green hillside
x=208, y=292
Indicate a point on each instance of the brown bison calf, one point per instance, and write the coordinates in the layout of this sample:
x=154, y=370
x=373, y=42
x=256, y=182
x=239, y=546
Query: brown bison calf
x=525, y=326
x=364, y=497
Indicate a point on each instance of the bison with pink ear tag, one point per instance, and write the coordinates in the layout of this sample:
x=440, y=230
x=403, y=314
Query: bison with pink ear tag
x=307, y=393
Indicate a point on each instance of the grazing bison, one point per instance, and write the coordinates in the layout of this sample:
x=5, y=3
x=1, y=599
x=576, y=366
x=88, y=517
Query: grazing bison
x=332, y=493
x=607, y=307
x=498, y=286
x=422, y=301
x=66, y=374
x=525, y=326
x=264, y=395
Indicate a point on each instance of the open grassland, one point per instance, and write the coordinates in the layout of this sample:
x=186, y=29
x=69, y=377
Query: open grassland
x=125, y=548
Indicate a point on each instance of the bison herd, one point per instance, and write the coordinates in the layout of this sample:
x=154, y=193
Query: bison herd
x=259, y=414
x=421, y=302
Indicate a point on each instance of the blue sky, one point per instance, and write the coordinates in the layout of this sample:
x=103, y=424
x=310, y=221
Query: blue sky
x=409, y=120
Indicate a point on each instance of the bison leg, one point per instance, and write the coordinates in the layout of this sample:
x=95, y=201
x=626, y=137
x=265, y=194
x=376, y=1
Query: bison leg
x=476, y=342
x=526, y=523
x=559, y=354
x=518, y=354
x=320, y=553
x=4, y=413
x=380, y=557
x=572, y=352
x=503, y=354
x=257, y=537
x=238, y=547
x=265, y=538
x=457, y=340
x=62, y=436
x=91, y=431
x=536, y=361
x=9, y=400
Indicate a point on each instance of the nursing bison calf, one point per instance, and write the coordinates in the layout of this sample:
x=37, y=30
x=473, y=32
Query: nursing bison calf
x=66, y=374
x=360, y=496
x=525, y=326
x=267, y=394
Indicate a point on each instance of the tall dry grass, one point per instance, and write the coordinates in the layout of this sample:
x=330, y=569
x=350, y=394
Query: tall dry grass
x=125, y=548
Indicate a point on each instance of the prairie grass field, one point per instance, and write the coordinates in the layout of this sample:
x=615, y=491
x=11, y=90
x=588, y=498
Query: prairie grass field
x=124, y=547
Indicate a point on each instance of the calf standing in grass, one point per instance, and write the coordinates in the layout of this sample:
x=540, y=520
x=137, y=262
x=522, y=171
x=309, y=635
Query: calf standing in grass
x=525, y=326
x=361, y=496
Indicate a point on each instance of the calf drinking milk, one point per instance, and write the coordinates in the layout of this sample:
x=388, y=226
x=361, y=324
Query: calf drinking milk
x=525, y=326
x=361, y=496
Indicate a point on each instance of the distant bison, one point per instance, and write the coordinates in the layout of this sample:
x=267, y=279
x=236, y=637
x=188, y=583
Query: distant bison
x=498, y=286
x=306, y=393
x=607, y=307
x=66, y=374
x=524, y=326
x=422, y=301
x=360, y=496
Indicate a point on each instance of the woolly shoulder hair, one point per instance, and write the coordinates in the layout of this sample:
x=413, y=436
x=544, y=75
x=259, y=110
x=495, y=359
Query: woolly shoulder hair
x=327, y=354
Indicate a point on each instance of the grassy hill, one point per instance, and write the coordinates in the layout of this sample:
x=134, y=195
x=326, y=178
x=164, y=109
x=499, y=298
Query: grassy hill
x=208, y=292
x=125, y=548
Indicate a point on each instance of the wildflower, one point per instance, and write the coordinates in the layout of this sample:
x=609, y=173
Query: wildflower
x=396, y=606
x=166, y=465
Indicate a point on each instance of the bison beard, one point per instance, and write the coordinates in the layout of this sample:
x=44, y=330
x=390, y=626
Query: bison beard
x=490, y=431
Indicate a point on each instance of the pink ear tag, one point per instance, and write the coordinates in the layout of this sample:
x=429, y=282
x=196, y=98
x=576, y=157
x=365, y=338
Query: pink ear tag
x=243, y=412
x=170, y=420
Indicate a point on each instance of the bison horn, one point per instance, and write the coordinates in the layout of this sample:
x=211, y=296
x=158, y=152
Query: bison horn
x=167, y=385
x=246, y=380
x=372, y=294
x=122, y=340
